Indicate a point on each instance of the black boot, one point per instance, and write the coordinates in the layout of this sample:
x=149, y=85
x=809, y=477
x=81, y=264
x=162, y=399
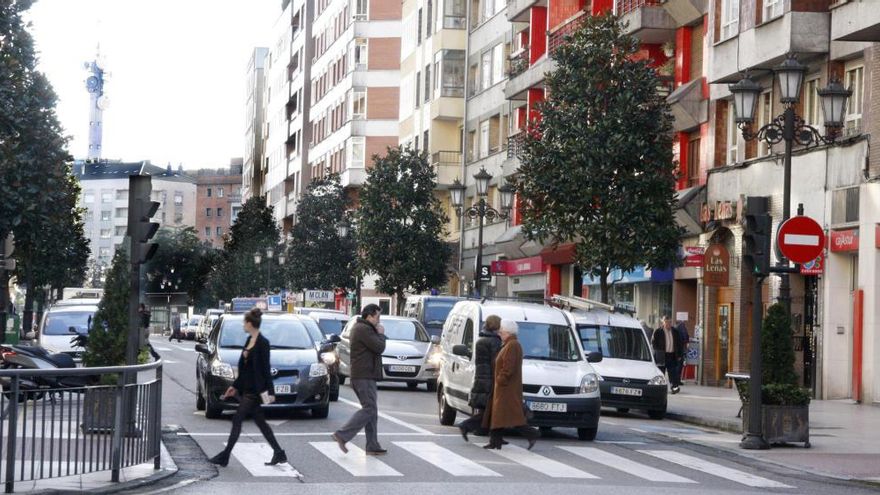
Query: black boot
x=221, y=459
x=279, y=457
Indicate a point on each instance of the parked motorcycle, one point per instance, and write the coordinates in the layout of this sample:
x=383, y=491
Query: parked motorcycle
x=38, y=358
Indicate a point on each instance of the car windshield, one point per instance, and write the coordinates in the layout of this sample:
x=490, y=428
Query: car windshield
x=282, y=333
x=195, y=321
x=615, y=342
x=437, y=311
x=313, y=329
x=547, y=342
x=331, y=326
x=59, y=323
x=404, y=330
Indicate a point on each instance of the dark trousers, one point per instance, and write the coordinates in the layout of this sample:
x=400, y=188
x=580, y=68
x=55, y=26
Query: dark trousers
x=673, y=369
x=250, y=405
x=527, y=432
x=475, y=422
x=367, y=417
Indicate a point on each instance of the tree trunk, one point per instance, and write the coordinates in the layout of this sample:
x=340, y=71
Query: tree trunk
x=401, y=300
x=41, y=305
x=603, y=284
x=27, y=319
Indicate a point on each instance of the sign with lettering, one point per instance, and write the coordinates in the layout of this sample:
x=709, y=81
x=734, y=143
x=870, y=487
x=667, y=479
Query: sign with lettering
x=693, y=256
x=522, y=266
x=844, y=240
x=814, y=267
x=716, y=266
x=721, y=210
x=320, y=296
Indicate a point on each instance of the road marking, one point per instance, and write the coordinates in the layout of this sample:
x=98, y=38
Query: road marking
x=707, y=467
x=253, y=457
x=541, y=464
x=620, y=442
x=276, y=422
x=161, y=348
x=306, y=434
x=356, y=461
x=626, y=465
x=382, y=415
x=445, y=459
x=172, y=487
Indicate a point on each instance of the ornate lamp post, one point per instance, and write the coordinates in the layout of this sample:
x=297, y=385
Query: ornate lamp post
x=481, y=211
x=343, y=229
x=270, y=253
x=789, y=128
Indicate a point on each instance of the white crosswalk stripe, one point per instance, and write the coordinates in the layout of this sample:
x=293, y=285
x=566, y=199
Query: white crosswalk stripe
x=626, y=465
x=707, y=467
x=541, y=464
x=445, y=459
x=356, y=461
x=253, y=457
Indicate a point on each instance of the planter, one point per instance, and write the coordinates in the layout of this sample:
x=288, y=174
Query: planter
x=99, y=410
x=783, y=424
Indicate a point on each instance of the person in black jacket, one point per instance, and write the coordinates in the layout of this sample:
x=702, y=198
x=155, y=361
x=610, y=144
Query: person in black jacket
x=667, y=343
x=486, y=349
x=253, y=386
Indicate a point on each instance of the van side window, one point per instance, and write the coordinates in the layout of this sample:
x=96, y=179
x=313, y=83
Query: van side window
x=468, y=335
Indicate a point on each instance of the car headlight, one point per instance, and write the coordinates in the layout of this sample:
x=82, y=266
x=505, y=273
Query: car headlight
x=329, y=358
x=317, y=369
x=222, y=370
x=435, y=358
x=589, y=383
x=658, y=380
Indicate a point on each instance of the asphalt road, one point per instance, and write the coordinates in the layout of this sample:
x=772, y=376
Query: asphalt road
x=631, y=454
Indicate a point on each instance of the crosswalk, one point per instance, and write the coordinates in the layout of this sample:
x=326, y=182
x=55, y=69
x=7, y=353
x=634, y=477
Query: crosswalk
x=552, y=462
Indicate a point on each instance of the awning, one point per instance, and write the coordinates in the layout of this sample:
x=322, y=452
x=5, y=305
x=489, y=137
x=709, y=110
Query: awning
x=559, y=255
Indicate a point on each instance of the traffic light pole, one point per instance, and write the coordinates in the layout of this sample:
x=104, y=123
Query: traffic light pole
x=754, y=438
x=788, y=130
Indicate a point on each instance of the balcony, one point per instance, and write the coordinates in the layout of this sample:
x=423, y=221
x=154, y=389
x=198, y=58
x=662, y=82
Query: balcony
x=519, y=10
x=533, y=77
x=689, y=107
x=557, y=36
x=855, y=21
x=447, y=166
x=515, y=144
x=686, y=12
x=647, y=20
x=519, y=62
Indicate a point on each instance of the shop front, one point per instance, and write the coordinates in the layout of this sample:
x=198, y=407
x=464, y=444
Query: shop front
x=646, y=292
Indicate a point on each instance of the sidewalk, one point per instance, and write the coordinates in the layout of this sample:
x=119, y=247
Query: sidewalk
x=844, y=436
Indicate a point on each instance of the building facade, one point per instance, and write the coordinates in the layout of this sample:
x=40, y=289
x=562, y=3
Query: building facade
x=218, y=202
x=254, y=171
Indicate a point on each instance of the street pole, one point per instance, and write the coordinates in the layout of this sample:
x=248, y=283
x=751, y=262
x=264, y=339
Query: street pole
x=477, y=278
x=788, y=136
x=268, y=276
x=4, y=289
x=754, y=438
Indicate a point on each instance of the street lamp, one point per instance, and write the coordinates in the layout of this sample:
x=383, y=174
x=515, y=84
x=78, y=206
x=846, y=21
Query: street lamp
x=789, y=128
x=343, y=229
x=270, y=254
x=481, y=211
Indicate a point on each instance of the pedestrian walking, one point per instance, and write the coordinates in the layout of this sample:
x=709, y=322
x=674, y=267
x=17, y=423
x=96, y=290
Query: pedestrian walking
x=485, y=352
x=253, y=388
x=682, y=330
x=367, y=345
x=144, y=315
x=505, y=410
x=175, y=326
x=667, y=342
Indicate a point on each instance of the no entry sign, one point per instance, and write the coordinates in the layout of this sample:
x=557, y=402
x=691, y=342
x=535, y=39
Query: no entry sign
x=800, y=239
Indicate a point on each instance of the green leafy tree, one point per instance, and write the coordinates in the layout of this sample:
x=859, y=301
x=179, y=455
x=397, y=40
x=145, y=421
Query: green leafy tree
x=254, y=230
x=109, y=334
x=401, y=224
x=318, y=258
x=777, y=349
x=597, y=168
x=183, y=262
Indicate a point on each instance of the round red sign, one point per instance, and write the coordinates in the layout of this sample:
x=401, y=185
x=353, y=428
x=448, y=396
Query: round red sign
x=800, y=239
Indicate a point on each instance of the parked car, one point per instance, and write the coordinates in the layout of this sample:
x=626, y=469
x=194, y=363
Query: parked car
x=192, y=326
x=411, y=356
x=205, y=326
x=329, y=356
x=300, y=377
x=630, y=377
x=62, y=322
x=306, y=311
x=430, y=311
x=560, y=385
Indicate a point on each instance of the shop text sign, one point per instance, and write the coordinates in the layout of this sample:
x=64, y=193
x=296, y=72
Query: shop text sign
x=522, y=266
x=844, y=240
x=721, y=210
x=716, y=266
x=814, y=267
x=693, y=256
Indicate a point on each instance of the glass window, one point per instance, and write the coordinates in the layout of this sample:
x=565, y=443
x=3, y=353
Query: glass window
x=360, y=10
x=331, y=325
x=732, y=133
x=360, y=54
x=105, y=233
x=119, y=230
x=547, y=342
x=219, y=212
x=356, y=146
x=429, y=13
x=729, y=18
x=208, y=211
x=105, y=215
x=427, y=83
x=437, y=311
x=765, y=115
x=209, y=192
x=453, y=14
x=219, y=192
x=122, y=195
x=404, y=330
x=106, y=197
x=418, y=89
x=498, y=63
x=358, y=102
x=486, y=69
x=484, y=139
x=59, y=322
x=453, y=73
x=89, y=197
x=615, y=342
x=178, y=198
x=104, y=252
x=811, y=102
x=121, y=212
x=282, y=333
x=467, y=336
x=219, y=231
x=208, y=231
x=419, y=29
x=855, y=81
x=772, y=9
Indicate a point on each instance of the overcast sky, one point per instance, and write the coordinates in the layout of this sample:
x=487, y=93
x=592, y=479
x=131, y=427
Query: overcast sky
x=177, y=67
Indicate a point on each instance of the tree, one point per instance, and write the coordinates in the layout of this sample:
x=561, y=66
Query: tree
x=597, y=167
x=400, y=225
x=318, y=258
x=108, y=336
x=777, y=350
x=254, y=230
x=181, y=263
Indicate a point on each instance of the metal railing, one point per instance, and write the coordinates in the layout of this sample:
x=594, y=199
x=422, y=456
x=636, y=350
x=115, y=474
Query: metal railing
x=625, y=6
x=515, y=144
x=558, y=37
x=64, y=429
x=519, y=62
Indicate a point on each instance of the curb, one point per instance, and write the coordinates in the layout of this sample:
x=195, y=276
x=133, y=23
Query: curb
x=718, y=424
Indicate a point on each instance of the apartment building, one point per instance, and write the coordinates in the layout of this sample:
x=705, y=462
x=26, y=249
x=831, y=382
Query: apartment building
x=254, y=171
x=218, y=202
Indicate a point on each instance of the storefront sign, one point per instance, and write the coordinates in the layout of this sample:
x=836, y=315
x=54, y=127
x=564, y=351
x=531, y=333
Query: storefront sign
x=693, y=255
x=320, y=296
x=522, y=266
x=844, y=240
x=638, y=274
x=716, y=266
x=721, y=210
x=814, y=267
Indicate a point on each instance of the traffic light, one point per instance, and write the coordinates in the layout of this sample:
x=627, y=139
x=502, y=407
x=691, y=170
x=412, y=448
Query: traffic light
x=758, y=228
x=140, y=210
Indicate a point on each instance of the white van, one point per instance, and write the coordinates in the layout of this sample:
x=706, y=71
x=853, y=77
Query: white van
x=63, y=322
x=630, y=377
x=560, y=386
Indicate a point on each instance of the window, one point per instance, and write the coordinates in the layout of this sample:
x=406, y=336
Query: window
x=219, y=192
x=452, y=79
x=732, y=133
x=772, y=9
x=615, y=342
x=425, y=141
x=487, y=9
x=360, y=54
x=207, y=231
x=854, y=80
x=765, y=115
x=360, y=10
x=419, y=29
x=811, y=102
x=219, y=212
x=729, y=18
x=119, y=230
x=498, y=63
x=486, y=69
x=105, y=233
x=418, y=88
x=208, y=192
x=693, y=160
x=427, y=83
x=88, y=215
x=89, y=197
x=358, y=102
x=845, y=205
x=356, y=151
x=104, y=252
x=453, y=14
x=429, y=21
x=122, y=195
x=208, y=211
x=105, y=215
x=121, y=212
x=178, y=198
x=484, y=139
x=219, y=231
x=106, y=197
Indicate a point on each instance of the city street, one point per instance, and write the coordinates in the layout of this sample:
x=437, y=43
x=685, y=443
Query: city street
x=632, y=454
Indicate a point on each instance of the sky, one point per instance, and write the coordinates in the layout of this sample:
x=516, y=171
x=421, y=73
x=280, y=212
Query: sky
x=177, y=73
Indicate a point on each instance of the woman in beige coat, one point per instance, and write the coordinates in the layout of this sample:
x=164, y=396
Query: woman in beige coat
x=505, y=411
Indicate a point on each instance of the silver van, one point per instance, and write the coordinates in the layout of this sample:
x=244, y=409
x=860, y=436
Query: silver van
x=63, y=322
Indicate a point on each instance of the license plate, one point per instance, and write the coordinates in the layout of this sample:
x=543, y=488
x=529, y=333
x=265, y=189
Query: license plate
x=282, y=389
x=549, y=406
x=402, y=369
x=635, y=392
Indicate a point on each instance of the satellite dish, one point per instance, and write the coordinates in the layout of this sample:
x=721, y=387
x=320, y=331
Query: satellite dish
x=103, y=102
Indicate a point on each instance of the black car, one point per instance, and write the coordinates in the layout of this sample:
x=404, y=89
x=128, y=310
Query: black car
x=301, y=378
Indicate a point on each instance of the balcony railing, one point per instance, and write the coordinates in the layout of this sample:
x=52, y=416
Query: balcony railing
x=446, y=165
x=515, y=144
x=557, y=37
x=519, y=62
x=625, y=6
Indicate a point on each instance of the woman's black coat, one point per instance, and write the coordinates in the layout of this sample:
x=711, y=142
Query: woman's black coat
x=255, y=375
x=486, y=349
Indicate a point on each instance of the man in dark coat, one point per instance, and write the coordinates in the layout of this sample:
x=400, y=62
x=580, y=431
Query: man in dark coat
x=667, y=342
x=486, y=350
x=367, y=345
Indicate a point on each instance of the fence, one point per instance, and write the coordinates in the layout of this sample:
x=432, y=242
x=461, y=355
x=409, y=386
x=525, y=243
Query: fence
x=50, y=427
x=626, y=6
